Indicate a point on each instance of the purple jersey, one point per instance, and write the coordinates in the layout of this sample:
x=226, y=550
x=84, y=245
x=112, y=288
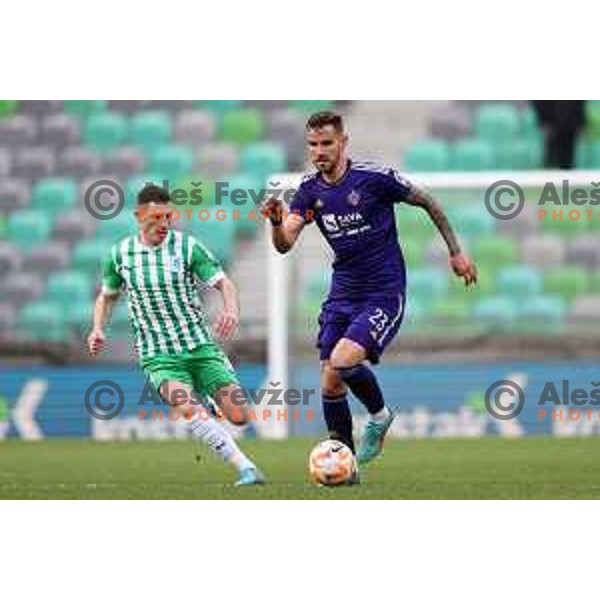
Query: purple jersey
x=356, y=217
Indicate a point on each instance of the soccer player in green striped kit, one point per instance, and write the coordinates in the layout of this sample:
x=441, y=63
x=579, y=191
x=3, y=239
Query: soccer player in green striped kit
x=159, y=270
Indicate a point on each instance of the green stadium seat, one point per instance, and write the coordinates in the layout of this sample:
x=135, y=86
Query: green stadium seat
x=150, y=128
x=54, y=193
x=520, y=154
x=496, y=312
x=246, y=225
x=472, y=220
x=427, y=284
x=8, y=108
x=113, y=230
x=450, y=310
x=172, y=161
x=593, y=156
x=520, y=282
x=564, y=227
x=105, y=131
x=428, y=155
x=311, y=106
x=582, y=152
x=119, y=321
x=217, y=236
x=592, y=117
x=3, y=226
x=242, y=126
x=495, y=251
x=529, y=121
x=28, y=228
x=218, y=106
x=263, y=160
x=497, y=122
x=89, y=254
x=472, y=155
x=84, y=108
x=67, y=287
x=43, y=321
x=567, y=282
x=541, y=314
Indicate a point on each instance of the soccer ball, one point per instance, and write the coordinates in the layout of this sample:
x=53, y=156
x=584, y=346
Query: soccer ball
x=332, y=463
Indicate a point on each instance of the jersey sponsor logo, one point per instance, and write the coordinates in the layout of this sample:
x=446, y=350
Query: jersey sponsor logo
x=319, y=204
x=353, y=198
x=330, y=223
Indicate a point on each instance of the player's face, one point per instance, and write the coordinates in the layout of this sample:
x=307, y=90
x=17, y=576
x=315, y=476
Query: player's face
x=326, y=148
x=154, y=221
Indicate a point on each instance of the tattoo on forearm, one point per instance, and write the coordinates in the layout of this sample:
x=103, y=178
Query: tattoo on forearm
x=426, y=201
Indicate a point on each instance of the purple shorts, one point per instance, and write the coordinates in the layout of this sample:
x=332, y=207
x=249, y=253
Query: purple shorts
x=372, y=323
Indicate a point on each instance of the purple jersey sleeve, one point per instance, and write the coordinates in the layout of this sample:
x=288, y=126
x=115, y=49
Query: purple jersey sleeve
x=397, y=188
x=302, y=204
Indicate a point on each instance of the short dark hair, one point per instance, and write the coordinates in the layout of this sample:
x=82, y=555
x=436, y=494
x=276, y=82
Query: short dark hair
x=325, y=118
x=153, y=194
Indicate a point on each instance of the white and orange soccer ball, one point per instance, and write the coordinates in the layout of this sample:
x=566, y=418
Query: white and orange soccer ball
x=332, y=463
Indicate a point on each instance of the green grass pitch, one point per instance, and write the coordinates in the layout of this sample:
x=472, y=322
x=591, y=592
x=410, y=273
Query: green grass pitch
x=488, y=468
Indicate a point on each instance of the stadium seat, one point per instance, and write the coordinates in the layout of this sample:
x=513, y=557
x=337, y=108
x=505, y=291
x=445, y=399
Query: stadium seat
x=592, y=156
x=195, y=127
x=217, y=236
x=544, y=314
x=18, y=288
x=10, y=258
x=242, y=126
x=428, y=284
x=33, y=163
x=286, y=127
x=519, y=154
x=244, y=182
x=72, y=226
x=311, y=106
x=8, y=107
x=89, y=254
x=17, y=131
x=521, y=226
x=171, y=161
x=557, y=221
x=472, y=155
x=113, y=230
x=529, y=121
x=219, y=106
x=58, y=131
x=69, y=287
x=498, y=313
x=472, y=220
x=585, y=310
x=14, y=194
x=27, y=228
x=592, y=117
x=582, y=152
x=40, y=107
x=450, y=311
x=84, y=108
x=124, y=162
x=48, y=257
x=53, y=194
x=567, y=282
x=6, y=160
x=543, y=251
x=427, y=155
x=495, y=251
x=42, y=320
x=8, y=317
x=106, y=131
x=216, y=160
x=497, y=122
x=263, y=160
x=150, y=129
x=127, y=106
x=520, y=282
x=449, y=121
x=77, y=161
x=584, y=251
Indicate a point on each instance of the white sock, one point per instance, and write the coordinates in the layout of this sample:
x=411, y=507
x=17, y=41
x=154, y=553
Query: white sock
x=214, y=435
x=381, y=416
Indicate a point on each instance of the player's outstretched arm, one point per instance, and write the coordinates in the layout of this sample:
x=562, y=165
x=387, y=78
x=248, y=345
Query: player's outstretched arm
x=285, y=228
x=461, y=264
x=229, y=318
x=102, y=311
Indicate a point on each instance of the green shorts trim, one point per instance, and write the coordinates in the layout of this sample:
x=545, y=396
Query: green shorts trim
x=205, y=370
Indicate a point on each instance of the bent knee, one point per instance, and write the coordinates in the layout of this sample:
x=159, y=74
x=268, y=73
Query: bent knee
x=331, y=382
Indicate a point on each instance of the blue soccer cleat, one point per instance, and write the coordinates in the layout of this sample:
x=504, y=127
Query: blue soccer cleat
x=250, y=476
x=371, y=443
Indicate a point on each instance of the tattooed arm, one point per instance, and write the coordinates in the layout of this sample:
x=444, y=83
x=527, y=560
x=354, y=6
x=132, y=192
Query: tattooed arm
x=460, y=263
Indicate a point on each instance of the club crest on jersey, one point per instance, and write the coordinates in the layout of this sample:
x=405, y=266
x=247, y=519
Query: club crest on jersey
x=318, y=204
x=176, y=264
x=353, y=198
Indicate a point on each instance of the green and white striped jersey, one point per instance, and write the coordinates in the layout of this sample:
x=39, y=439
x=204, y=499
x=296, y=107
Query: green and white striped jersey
x=162, y=285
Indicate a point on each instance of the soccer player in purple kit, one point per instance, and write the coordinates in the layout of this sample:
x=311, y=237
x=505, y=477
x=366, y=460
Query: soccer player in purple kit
x=352, y=204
